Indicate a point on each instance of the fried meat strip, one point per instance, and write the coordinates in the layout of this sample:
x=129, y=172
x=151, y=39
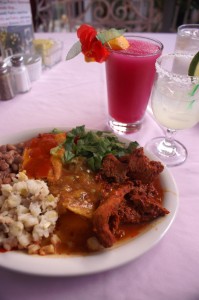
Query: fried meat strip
x=134, y=203
x=105, y=218
x=133, y=198
x=135, y=166
x=114, y=169
x=141, y=168
x=142, y=204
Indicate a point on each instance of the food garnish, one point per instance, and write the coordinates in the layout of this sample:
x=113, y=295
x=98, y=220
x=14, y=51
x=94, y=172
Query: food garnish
x=95, y=45
x=119, y=43
x=194, y=66
x=94, y=146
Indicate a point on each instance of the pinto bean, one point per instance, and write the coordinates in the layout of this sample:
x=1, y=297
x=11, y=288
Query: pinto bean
x=10, y=160
x=3, y=149
x=17, y=159
x=14, y=167
x=12, y=175
x=9, y=157
x=20, y=147
x=11, y=147
x=3, y=165
x=6, y=180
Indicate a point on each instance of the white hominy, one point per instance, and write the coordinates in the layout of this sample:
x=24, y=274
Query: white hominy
x=27, y=214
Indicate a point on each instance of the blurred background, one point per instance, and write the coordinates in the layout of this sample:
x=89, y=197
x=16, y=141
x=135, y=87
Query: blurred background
x=134, y=15
x=20, y=19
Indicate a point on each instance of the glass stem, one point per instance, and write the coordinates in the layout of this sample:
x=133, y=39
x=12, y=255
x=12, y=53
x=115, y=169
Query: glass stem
x=169, y=137
x=167, y=146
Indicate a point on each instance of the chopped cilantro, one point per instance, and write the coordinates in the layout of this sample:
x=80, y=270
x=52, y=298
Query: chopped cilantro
x=93, y=145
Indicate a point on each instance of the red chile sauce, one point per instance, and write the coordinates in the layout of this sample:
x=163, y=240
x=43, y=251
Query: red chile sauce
x=38, y=164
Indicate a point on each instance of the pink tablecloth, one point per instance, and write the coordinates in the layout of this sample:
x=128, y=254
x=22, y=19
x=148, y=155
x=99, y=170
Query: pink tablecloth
x=74, y=93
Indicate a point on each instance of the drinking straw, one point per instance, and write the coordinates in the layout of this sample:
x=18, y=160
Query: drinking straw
x=192, y=93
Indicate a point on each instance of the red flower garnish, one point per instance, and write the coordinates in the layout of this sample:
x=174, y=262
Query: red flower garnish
x=96, y=46
x=92, y=48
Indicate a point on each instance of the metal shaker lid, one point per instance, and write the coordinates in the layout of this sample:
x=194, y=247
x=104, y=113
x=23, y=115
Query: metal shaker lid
x=17, y=60
x=30, y=59
x=3, y=67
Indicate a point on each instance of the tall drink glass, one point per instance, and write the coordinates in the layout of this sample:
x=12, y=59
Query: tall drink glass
x=187, y=40
x=130, y=75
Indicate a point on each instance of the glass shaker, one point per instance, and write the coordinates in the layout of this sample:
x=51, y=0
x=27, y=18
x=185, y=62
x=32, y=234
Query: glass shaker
x=20, y=74
x=6, y=83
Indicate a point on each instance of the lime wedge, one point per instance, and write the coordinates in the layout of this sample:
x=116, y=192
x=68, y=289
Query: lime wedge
x=194, y=66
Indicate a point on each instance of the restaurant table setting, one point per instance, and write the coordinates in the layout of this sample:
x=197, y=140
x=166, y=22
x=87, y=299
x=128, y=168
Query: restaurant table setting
x=73, y=93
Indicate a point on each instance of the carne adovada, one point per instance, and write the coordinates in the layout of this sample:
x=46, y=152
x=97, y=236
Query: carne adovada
x=76, y=192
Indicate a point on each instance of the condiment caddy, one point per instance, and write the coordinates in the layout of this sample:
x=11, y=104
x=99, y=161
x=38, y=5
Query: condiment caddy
x=17, y=72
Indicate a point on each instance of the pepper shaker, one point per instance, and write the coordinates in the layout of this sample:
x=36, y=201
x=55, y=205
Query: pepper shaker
x=6, y=83
x=20, y=74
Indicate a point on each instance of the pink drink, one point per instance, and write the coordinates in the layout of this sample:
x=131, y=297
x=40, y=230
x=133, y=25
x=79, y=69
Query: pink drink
x=130, y=75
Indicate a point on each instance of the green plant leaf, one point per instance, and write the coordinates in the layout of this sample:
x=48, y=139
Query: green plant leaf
x=107, y=35
x=74, y=50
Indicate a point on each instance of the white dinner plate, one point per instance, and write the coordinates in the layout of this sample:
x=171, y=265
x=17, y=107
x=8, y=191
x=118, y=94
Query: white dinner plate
x=69, y=265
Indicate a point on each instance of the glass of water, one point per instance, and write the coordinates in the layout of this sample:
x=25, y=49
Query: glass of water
x=187, y=40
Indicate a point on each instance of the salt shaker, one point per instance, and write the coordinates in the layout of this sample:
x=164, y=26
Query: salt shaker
x=20, y=74
x=6, y=84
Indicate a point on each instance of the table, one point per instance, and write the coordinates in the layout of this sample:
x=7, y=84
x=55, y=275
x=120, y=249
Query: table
x=74, y=93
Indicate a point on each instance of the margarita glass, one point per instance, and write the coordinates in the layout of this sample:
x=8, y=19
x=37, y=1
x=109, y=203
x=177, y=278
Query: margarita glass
x=175, y=105
x=130, y=75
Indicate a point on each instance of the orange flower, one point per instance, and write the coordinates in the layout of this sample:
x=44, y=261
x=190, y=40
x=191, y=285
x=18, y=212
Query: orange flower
x=92, y=48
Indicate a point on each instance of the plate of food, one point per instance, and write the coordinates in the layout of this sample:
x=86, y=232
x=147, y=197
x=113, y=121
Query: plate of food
x=80, y=201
